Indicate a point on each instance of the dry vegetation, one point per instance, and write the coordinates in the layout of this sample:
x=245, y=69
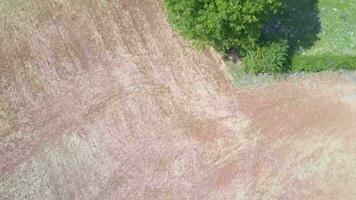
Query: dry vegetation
x=101, y=100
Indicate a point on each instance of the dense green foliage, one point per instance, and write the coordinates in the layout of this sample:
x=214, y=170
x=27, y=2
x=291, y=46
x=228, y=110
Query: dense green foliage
x=316, y=63
x=319, y=34
x=270, y=58
x=223, y=24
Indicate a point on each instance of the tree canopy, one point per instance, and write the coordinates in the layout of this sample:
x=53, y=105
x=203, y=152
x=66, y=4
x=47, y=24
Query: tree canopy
x=222, y=24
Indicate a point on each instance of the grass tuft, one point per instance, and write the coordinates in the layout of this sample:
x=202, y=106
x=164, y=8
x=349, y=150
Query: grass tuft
x=271, y=58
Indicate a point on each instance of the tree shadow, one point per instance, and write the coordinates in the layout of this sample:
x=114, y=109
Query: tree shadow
x=298, y=23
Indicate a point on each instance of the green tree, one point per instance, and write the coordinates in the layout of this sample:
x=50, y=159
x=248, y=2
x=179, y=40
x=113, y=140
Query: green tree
x=222, y=24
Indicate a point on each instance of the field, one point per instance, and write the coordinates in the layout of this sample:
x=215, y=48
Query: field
x=102, y=100
x=321, y=34
x=338, y=29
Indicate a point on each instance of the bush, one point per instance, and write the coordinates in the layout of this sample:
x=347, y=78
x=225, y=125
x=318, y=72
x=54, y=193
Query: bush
x=271, y=58
x=223, y=24
x=316, y=63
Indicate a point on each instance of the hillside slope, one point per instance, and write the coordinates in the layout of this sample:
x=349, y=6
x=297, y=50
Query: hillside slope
x=101, y=100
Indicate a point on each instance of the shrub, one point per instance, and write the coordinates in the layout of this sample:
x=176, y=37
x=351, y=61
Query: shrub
x=316, y=63
x=270, y=58
x=223, y=24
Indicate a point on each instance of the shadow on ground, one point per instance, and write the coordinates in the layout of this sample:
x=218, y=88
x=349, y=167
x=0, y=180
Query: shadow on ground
x=298, y=23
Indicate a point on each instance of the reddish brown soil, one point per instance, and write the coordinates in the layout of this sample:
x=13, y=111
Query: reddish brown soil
x=101, y=100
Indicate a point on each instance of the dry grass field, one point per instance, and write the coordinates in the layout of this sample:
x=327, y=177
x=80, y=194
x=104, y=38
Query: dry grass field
x=99, y=99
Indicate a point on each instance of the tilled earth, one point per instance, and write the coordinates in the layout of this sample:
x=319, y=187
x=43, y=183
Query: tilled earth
x=100, y=99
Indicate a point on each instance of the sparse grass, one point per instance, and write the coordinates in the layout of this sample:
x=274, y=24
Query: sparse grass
x=338, y=29
x=321, y=34
x=242, y=79
x=336, y=45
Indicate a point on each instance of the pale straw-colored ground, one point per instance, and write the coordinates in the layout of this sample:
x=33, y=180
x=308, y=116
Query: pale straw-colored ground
x=100, y=100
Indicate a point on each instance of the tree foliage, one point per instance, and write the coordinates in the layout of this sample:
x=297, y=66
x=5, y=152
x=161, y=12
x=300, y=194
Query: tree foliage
x=223, y=24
